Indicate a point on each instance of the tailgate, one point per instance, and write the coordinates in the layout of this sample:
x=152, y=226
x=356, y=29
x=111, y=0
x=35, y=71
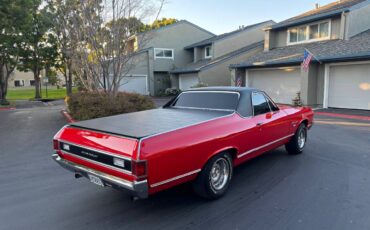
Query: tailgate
x=97, y=150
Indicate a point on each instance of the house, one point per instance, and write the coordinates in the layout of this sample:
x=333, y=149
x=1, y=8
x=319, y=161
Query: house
x=21, y=79
x=338, y=35
x=212, y=57
x=157, y=52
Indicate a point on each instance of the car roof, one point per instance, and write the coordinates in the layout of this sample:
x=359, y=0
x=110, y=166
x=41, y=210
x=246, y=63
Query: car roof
x=225, y=88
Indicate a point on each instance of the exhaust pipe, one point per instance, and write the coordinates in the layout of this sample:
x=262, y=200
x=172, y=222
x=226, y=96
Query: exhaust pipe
x=77, y=175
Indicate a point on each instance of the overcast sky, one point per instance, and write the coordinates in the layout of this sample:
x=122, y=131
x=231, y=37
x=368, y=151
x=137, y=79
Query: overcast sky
x=220, y=16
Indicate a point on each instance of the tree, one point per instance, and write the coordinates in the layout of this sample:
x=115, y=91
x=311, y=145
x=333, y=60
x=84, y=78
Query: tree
x=160, y=23
x=103, y=30
x=61, y=12
x=14, y=15
x=38, y=49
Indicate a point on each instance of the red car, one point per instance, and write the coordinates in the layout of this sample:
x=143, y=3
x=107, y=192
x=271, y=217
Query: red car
x=199, y=136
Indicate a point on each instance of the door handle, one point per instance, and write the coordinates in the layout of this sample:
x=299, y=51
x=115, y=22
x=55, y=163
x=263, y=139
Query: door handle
x=259, y=123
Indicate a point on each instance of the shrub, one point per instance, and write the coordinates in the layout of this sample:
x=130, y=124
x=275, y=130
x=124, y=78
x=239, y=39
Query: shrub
x=172, y=92
x=89, y=105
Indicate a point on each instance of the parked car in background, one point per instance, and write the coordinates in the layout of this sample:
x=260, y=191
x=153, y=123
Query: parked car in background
x=199, y=136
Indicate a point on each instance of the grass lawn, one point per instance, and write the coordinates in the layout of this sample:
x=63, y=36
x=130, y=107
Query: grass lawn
x=29, y=93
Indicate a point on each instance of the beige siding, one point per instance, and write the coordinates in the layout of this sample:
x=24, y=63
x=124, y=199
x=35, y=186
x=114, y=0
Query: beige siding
x=26, y=77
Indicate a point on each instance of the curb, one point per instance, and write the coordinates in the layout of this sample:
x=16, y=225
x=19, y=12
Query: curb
x=68, y=116
x=355, y=117
x=7, y=109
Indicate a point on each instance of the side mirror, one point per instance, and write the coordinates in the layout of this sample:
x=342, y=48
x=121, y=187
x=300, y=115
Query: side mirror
x=268, y=115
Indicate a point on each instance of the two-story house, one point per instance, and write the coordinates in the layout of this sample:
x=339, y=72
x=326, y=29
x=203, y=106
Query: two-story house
x=156, y=53
x=338, y=35
x=212, y=57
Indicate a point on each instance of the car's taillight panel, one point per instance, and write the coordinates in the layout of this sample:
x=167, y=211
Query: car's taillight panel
x=140, y=169
x=56, y=144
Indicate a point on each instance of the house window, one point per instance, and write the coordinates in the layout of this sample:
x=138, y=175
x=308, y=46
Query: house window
x=163, y=53
x=308, y=33
x=208, y=52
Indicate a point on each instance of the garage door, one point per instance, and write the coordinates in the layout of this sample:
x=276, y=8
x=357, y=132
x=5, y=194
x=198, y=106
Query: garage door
x=134, y=84
x=281, y=85
x=186, y=81
x=349, y=86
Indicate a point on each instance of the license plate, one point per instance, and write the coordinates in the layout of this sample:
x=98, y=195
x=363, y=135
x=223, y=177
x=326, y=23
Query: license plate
x=96, y=180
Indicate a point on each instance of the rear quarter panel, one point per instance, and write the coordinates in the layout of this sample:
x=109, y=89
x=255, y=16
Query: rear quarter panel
x=187, y=150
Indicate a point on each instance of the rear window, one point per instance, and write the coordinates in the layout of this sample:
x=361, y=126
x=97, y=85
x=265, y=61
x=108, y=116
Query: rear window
x=208, y=100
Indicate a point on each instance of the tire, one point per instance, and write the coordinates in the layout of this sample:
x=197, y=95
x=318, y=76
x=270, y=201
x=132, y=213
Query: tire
x=214, y=179
x=295, y=145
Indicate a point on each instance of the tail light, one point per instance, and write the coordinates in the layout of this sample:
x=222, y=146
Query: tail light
x=56, y=144
x=139, y=169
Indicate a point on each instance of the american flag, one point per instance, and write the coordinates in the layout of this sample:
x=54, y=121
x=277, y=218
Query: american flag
x=239, y=81
x=307, y=60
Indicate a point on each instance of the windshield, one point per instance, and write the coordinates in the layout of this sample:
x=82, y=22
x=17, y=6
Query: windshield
x=207, y=100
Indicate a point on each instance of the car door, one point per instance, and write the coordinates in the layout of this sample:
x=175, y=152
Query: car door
x=270, y=121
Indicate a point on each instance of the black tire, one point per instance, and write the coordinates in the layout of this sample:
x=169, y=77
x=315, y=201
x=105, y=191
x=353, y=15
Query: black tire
x=295, y=146
x=205, y=186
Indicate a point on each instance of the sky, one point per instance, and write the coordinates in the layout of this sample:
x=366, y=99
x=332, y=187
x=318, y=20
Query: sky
x=221, y=16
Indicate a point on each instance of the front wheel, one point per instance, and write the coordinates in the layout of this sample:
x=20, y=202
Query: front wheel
x=298, y=141
x=214, y=179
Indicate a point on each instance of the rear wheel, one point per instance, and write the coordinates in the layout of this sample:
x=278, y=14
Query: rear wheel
x=214, y=179
x=298, y=141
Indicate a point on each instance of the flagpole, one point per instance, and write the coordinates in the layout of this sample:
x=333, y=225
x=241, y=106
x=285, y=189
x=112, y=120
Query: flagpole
x=313, y=56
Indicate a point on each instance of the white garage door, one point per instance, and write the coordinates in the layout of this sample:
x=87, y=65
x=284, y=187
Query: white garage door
x=187, y=81
x=281, y=85
x=349, y=86
x=134, y=84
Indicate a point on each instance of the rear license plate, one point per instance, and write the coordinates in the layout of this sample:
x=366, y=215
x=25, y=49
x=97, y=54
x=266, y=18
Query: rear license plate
x=96, y=180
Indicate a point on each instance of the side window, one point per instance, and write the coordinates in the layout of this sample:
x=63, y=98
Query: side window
x=271, y=104
x=260, y=105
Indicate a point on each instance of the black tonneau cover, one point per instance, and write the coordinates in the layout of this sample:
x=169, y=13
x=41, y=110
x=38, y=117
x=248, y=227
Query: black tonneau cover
x=146, y=123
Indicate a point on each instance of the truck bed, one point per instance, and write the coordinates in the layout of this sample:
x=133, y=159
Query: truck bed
x=146, y=123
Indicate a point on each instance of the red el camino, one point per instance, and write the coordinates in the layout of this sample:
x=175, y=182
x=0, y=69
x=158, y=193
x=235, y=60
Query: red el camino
x=199, y=136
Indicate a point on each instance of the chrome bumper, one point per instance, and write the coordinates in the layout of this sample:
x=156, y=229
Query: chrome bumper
x=138, y=188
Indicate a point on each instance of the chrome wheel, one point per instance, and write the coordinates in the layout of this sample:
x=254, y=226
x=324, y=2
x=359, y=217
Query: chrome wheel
x=220, y=174
x=302, y=138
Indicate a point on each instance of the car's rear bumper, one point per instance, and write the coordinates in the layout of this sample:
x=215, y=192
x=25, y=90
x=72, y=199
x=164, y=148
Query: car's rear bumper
x=138, y=188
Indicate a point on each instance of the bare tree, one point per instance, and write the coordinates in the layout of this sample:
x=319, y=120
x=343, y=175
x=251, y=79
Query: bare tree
x=103, y=30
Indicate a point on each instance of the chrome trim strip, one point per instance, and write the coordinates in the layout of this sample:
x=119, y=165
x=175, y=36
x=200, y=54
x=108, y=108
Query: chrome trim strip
x=174, y=178
x=157, y=134
x=263, y=146
x=207, y=109
x=96, y=150
x=98, y=163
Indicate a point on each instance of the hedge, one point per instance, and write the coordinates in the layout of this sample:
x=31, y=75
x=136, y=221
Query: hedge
x=89, y=105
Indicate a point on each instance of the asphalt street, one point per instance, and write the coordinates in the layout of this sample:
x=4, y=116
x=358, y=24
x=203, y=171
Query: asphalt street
x=327, y=187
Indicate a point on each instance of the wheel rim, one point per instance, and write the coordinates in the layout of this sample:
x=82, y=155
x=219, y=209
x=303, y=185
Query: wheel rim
x=219, y=175
x=302, y=138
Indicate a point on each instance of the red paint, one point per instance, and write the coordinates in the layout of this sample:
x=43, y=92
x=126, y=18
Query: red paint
x=68, y=117
x=179, y=152
x=6, y=109
x=355, y=117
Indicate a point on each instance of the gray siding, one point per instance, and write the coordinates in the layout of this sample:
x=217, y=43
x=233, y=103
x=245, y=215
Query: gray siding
x=239, y=40
x=358, y=21
x=279, y=38
x=219, y=75
x=175, y=37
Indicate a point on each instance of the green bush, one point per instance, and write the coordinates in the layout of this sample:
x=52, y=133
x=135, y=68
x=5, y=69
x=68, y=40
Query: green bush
x=89, y=105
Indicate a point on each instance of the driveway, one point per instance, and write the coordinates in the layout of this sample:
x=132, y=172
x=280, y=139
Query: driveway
x=327, y=187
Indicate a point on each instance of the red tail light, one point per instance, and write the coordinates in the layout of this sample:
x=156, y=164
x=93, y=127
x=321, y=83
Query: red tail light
x=139, y=169
x=56, y=144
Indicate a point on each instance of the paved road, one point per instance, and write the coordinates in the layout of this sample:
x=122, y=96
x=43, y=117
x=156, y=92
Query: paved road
x=327, y=187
